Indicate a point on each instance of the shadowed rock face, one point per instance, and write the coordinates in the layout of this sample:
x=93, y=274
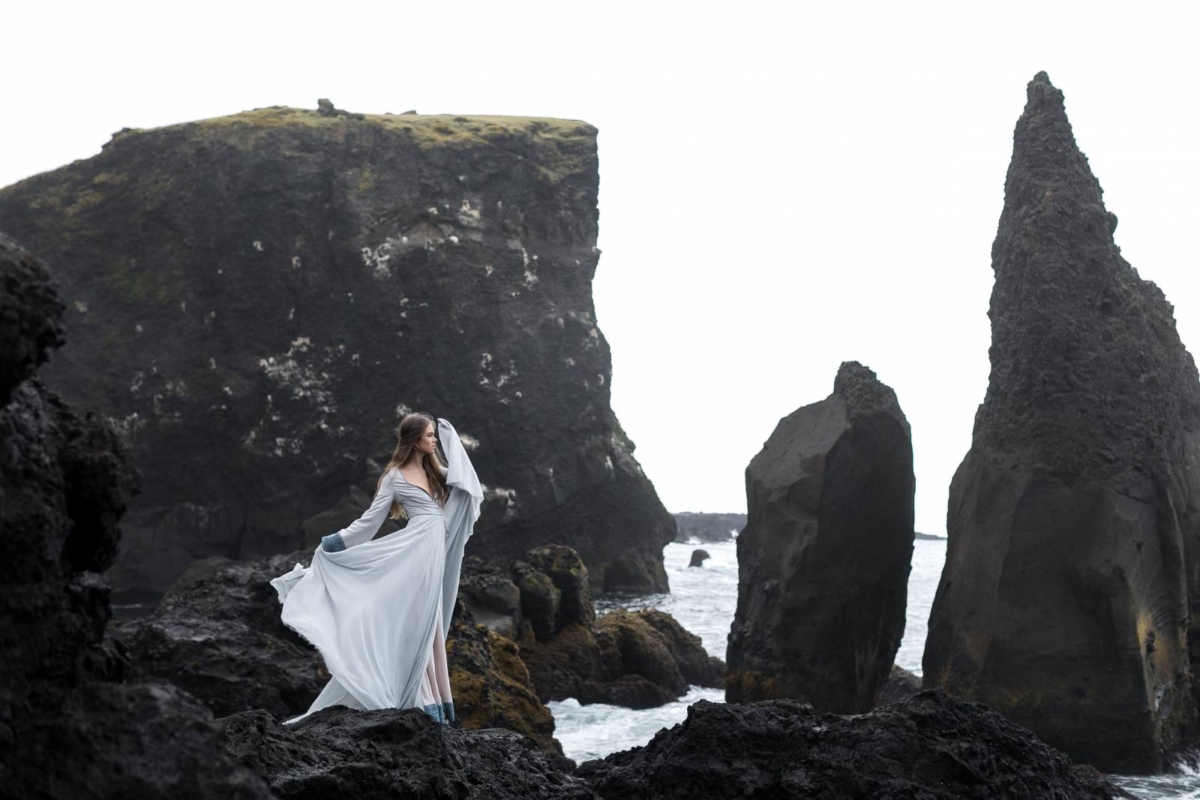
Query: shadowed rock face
x=258, y=298
x=824, y=559
x=929, y=746
x=374, y=755
x=1073, y=523
x=68, y=728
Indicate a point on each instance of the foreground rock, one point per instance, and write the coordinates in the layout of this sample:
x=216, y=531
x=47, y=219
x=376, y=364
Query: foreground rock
x=703, y=527
x=67, y=728
x=824, y=559
x=931, y=746
x=374, y=755
x=211, y=270
x=217, y=633
x=1072, y=558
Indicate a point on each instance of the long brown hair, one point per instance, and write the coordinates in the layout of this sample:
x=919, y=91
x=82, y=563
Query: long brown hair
x=409, y=433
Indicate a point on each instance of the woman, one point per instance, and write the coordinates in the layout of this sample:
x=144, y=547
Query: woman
x=378, y=610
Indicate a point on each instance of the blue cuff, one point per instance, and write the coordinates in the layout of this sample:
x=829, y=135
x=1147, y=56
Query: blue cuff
x=333, y=543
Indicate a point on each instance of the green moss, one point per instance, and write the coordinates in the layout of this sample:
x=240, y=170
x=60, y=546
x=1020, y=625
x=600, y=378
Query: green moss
x=248, y=129
x=137, y=284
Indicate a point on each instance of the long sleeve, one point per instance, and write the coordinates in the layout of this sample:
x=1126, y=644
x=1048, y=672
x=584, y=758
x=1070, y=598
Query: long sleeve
x=461, y=472
x=365, y=527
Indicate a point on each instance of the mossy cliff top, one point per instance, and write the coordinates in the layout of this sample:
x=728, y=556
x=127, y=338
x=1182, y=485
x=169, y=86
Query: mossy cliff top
x=249, y=129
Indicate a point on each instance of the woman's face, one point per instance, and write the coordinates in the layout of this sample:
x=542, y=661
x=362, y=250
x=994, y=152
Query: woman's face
x=428, y=442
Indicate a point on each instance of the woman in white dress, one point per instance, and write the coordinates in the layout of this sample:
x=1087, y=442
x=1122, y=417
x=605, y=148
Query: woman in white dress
x=378, y=609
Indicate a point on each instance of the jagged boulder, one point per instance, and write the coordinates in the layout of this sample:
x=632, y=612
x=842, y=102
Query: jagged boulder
x=824, y=558
x=67, y=727
x=1073, y=520
x=264, y=294
x=372, y=755
x=636, y=659
x=929, y=746
x=217, y=633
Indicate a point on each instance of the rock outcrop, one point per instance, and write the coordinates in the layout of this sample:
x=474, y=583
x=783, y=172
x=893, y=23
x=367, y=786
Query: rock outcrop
x=930, y=746
x=704, y=527
x=373, y=755
x=698, y=558
x=217, y=634
x=67, y=727
x=824, y=558
x=260, y=296
x=637, y=659
x=1073, y=525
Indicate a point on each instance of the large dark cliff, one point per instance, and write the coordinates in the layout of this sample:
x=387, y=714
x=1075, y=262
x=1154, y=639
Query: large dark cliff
x=1071, y=566
x=254, y=300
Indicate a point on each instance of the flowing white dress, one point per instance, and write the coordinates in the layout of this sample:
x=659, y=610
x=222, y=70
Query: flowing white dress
x=378, y=610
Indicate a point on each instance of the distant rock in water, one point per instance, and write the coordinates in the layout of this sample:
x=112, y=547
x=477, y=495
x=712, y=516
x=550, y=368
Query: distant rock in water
x=255, y=300
x=824, y=559
x=929, y=537
x=703, y=527
x=1073, y=520
x=698, y=558
x=929, y=746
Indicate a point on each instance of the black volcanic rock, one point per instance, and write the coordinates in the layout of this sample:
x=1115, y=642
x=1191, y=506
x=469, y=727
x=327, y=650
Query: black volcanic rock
x=1073, y=526
x=704, y=527
x=259, y=297
x=67, y=729
x=372, y=755
x=217, y=633
x=930, y=746
x=824, y=558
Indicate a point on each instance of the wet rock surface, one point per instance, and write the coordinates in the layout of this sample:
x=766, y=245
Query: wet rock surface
x=929, y=746
x=340, y=753
x=67, y=727
x=269, y=292
x=1073, y=520
x=823, y=561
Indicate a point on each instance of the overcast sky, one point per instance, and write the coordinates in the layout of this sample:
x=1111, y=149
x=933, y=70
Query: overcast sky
x=783, y=187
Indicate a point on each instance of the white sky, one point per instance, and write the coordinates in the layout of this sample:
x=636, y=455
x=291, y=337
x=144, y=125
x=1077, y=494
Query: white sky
x=784, y=186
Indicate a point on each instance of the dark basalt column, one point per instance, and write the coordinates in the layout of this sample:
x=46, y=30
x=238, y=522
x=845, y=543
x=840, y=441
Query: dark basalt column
x=1072, y=520
x=254, y=301
x=824, y=559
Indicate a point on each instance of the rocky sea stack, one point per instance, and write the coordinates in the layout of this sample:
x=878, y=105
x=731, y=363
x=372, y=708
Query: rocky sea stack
x=824, y=559
x=1072, y=561
x=254, y=300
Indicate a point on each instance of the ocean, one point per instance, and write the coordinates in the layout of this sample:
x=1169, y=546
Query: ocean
x=704, y=599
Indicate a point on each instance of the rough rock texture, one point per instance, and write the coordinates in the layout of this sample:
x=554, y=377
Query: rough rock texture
x=931, y=747
x=66, y=729
x=264, y=294
x=217, y=634
x=824, y=558
x=636, y=659
x=374, y=755
x=491, y=684
x=1071, y=565
x=702, y=527
x=901, y=685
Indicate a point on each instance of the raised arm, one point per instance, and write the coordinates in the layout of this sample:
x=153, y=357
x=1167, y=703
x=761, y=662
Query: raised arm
x=365, y=527
x=461, y=473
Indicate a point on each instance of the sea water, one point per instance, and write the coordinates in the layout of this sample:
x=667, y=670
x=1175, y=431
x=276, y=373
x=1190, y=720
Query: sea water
x=704, y=599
